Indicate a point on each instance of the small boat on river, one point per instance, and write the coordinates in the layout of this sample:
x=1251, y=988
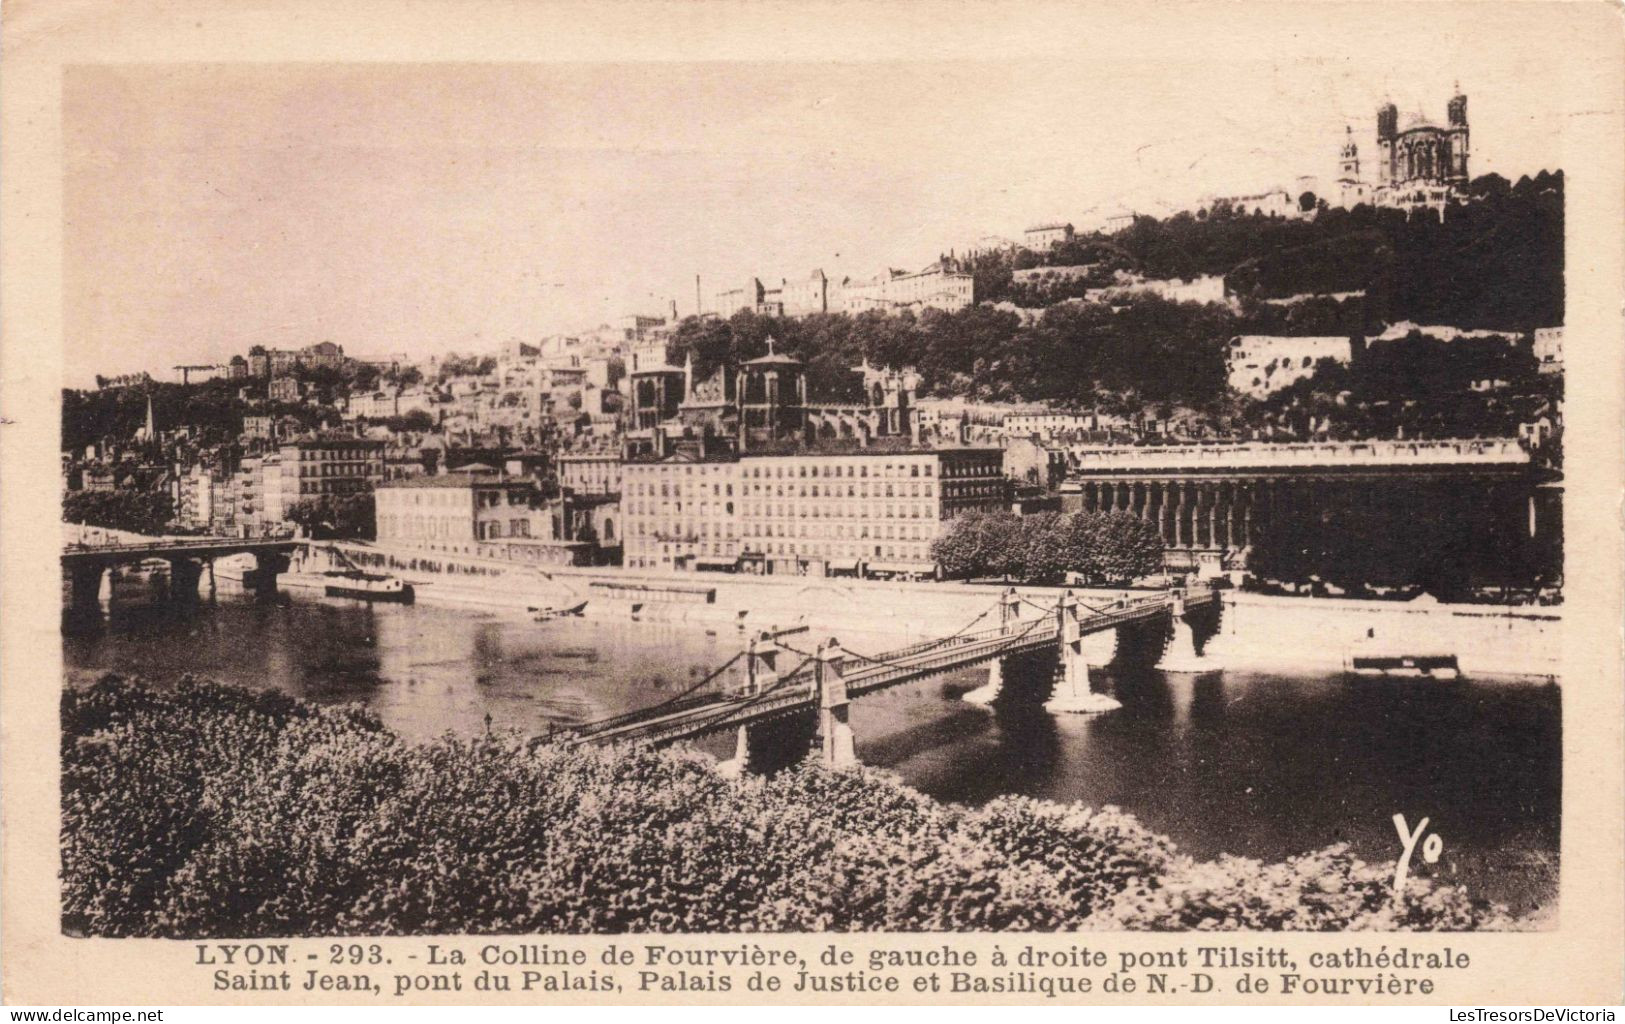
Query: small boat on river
x=1433, y=666
x=549, y=614
x=367, y=586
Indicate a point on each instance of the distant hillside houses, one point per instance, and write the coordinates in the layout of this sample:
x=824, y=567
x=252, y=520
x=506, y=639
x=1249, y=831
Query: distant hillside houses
x=1548, y=349
x=1443, y=332
x=1261, y=364
x=938, y=286
x=1043, y=237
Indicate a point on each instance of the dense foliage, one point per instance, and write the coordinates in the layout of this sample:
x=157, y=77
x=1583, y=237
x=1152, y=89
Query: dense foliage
x=335, y=516
x=1149, y=351
x=1045, y=549
x=455, y=365
x=213, y=410
x=132, y=510
x=208, y=811
x=1495, y=262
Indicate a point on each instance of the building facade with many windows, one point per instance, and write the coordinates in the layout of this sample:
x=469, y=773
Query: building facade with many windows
x=590, y=472
x=481, y=514
x=681, y=513
x=336, y=466
x=809, y=513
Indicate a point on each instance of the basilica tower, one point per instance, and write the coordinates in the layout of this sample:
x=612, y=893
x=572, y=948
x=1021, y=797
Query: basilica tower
x=1458, y=137
x=1387, y=132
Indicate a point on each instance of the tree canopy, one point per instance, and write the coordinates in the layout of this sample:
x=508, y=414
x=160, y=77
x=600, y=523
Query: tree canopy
x=1050, y=547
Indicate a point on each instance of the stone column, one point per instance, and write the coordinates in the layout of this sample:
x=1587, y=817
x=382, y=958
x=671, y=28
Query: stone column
x=1213, y=515
x=1179, y=516
x=1009, y=609
x=1163, y=518
x=184, y=576
x=760, y=665
x=266, y=567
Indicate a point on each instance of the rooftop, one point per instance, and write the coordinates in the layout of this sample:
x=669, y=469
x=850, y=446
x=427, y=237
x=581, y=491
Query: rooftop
x=459, y=479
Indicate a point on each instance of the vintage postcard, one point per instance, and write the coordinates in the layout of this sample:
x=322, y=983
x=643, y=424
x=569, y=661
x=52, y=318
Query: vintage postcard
x=797, y=503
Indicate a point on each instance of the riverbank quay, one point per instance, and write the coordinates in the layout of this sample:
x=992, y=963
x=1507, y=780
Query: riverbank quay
x=1254, y=631
x=353, y=830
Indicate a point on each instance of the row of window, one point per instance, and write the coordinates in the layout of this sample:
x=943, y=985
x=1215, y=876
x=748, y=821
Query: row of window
x=419, y=527
x=331, y=486
x=675, y=530
x=807, y=510
x=830, y=472
x=911, y=490
x=347, y=470
x=887, y=531
x=679, y=490
x=669, y=553
x=705, y=508
x=337, y=454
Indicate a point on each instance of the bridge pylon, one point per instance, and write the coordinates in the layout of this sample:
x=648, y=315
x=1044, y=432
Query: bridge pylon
x=834, y=708
x=761, y=664
x=1074, y=693
x=1009, y=609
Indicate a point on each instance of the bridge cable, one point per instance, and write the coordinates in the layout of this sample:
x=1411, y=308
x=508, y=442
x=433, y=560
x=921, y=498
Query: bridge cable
x=1051, y=610
x=985, y=612
x=705, y=725
x=581, y=731
x=882, y=660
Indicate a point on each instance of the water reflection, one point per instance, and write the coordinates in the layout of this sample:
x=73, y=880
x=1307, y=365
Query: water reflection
x=1244, y=763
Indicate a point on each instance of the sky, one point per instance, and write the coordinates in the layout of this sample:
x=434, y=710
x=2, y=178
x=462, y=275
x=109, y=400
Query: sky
x=424, y=208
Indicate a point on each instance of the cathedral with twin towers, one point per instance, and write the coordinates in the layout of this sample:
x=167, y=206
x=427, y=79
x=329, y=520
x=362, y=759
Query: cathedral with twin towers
x=1420, y=164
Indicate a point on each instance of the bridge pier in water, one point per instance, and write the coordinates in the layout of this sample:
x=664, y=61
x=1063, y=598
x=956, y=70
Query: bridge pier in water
x=267, y=566
x=85, y=585
x=768, y=746
x=1074, y=693
x=1180, y=652
x=184, y=576
x=1009, y=619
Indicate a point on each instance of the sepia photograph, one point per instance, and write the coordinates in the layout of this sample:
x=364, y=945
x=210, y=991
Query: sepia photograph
x=662, y=502
x=715, y=497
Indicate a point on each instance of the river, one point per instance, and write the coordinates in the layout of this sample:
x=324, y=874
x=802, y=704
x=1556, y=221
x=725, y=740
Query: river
x=1251, y=764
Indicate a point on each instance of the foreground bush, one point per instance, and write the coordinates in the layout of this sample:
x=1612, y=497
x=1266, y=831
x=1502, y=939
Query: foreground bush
x=209, y=811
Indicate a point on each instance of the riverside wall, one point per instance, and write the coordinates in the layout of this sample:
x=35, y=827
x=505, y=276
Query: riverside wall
x=1322, y=634
x=1255, y=632
x=824, y=605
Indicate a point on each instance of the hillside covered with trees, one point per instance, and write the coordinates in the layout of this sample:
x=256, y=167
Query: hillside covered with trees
x=1493, y=264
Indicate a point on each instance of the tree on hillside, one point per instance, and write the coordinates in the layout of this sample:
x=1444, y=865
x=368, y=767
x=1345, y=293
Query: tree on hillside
x=404, y=377
x=135, y=511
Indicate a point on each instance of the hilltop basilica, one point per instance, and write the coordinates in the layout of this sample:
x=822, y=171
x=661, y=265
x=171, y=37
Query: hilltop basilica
x=1421, y=165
